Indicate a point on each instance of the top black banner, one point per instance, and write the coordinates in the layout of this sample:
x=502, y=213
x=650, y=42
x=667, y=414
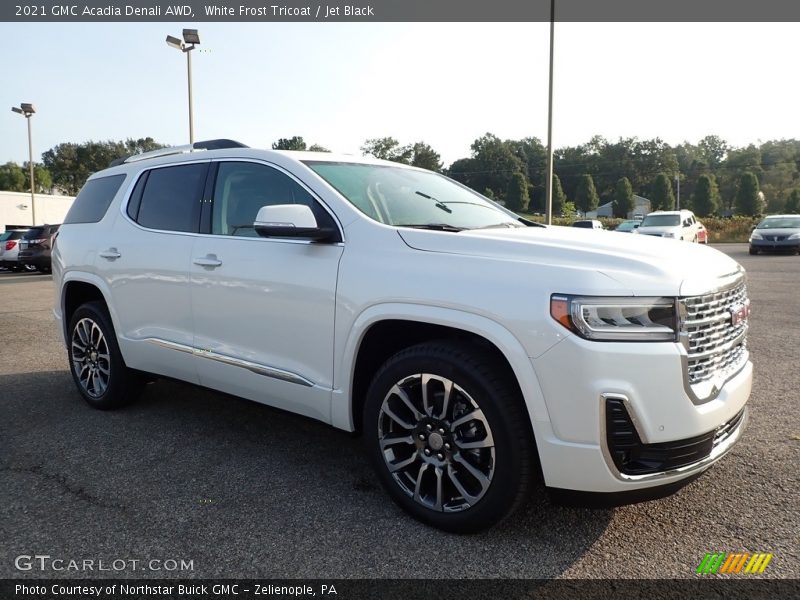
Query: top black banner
x=400, y=11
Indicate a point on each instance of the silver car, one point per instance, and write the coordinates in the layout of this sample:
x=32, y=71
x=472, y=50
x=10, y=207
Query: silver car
x=777, y=233
x=9, y=250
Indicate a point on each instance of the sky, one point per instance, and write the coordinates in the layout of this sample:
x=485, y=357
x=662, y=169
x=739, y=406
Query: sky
x=337, y=84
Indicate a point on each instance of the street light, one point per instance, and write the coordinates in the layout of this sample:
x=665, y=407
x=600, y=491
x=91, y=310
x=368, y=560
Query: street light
x=190, y=40
x=27, y=110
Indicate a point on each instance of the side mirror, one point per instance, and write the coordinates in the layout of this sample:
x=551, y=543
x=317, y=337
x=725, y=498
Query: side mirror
x=636, y=225
x=290, y=221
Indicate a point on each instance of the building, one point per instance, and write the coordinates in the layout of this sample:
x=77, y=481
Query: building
x=15, y=209
x=641, y=206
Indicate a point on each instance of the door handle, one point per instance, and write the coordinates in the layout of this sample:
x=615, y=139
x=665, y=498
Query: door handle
x=110, y=254
x=210, y=260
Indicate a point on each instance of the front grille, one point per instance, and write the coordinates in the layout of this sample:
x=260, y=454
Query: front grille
x=632, y=457
x=715, y=344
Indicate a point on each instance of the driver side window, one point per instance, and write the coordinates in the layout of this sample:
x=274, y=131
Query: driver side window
x=242, y=188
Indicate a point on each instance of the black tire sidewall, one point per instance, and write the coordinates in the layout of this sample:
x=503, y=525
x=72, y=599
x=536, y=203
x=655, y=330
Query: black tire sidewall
x=506, y=483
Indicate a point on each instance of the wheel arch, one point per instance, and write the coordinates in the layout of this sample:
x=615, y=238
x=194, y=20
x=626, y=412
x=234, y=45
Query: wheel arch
x=405, y=325
x=78, y=288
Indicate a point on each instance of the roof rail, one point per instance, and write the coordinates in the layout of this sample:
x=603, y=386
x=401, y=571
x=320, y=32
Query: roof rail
x=219, y=144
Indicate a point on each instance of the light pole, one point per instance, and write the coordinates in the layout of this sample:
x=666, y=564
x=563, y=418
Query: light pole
x=190, y=40
x=27, y=110
x=549, y=174
x=678, y=185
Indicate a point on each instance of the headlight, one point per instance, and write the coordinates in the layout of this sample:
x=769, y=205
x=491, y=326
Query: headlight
x=617, y=319
x=756, y=236
x=794, y=236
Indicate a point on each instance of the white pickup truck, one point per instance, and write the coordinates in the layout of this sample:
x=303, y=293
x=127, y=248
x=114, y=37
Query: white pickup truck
x=473, y=350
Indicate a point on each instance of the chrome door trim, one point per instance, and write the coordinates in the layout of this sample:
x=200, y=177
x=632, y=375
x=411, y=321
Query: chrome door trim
x=257, y=368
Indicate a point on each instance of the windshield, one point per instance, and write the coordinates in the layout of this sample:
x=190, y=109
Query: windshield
x=661, y=221
x=780, y=223
x=410, y=198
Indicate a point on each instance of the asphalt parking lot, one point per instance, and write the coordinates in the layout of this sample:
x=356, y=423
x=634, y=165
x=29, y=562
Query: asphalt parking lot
x=246, y=491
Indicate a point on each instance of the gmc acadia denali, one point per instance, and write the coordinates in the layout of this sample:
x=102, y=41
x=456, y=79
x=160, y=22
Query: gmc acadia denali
x=473, y=350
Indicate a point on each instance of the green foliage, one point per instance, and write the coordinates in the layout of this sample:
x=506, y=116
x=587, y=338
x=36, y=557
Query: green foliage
x=295, y=142
x=559, y=197
x=661, y=197
x=749, y=200
x=517, y=197
x=492, y=165
x=317, y=148
x=12, y=178
x=623, y=198
x=387, y=148
x=425, y=157
x=489, y=193
x=570, y=211
x=586, y=197
x=793, y=202
x=71, y=164
x=705, y=200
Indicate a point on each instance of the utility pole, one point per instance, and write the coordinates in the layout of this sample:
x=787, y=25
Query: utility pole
x=549, y=174
x=678, y=186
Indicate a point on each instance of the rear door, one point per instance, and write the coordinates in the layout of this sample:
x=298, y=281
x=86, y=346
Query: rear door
x=264, y=307
x=145, y=260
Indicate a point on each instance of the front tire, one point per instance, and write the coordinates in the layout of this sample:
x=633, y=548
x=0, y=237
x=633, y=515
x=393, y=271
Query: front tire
x=96, y=364
x=447, y=432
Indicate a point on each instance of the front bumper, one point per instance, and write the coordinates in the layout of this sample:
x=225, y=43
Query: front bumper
x=649, y=381
x=775, y=245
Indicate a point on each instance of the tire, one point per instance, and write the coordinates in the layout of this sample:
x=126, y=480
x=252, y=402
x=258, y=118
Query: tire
x=96, y=364
x=453, y=487
x=752, y=251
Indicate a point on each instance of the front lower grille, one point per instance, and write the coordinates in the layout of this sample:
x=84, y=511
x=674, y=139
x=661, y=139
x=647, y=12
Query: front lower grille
x=632, y=457
x=713, y=333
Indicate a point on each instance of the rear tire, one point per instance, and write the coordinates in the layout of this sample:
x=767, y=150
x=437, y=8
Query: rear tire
x=96, y=364
x=448, y=434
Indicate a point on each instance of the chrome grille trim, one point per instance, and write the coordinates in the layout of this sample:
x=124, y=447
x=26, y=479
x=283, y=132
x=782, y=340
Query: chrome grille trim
x=714, y=348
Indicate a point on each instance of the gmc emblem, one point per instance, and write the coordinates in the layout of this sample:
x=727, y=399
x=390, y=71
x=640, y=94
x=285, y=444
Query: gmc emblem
x=739, y=312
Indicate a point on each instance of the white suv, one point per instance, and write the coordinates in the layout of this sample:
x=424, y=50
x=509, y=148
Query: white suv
x=674, y=224
x=472, y=349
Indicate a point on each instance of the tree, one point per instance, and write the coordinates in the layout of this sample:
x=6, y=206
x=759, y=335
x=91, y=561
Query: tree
x=71, y=164
x=623, y=198
x=41, y=177
x=517, y=197
x=793, y=202
x=749, y=200
x=489, y=193
x=388, y=148
x=425, y=157
x=661, y=196
x=293, y=143
x=559, y=197
x=705, y=199
x=317, y=148
x=12, y=178
x=586, y=197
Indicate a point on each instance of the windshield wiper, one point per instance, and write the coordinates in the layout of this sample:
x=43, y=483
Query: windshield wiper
x=437, y=203
x=433, y=226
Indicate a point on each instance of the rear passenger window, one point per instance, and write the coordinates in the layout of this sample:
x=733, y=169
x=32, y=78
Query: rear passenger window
x=93, y=200
x=171, y=198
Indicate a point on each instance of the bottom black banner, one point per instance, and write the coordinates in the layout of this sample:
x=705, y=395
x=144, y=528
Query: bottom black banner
x=405, y=589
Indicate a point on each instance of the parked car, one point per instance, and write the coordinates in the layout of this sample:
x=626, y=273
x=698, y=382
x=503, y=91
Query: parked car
x=588, y=224
x=627, y=226
x=776, y=233
x=702, y=233
x=9, y=250
x=36, y=246
x=471, y=348
x=675, y=224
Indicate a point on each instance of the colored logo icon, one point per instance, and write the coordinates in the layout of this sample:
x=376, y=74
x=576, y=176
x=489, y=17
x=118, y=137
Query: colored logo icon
x=730, y=562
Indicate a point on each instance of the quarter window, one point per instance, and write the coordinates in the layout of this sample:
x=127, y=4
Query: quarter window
x=242, y=188
x=93, y=200
x=171, y=197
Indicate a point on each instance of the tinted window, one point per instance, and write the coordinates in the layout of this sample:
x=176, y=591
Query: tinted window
x=171, y=198
x=93, y=200
x=34, y=233
x=243, y=188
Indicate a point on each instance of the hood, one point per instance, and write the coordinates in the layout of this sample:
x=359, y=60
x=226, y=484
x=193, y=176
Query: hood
x=642, y=265
x=777, y=231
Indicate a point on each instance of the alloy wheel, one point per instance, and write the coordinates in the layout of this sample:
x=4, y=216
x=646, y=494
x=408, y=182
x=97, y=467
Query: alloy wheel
x=436, y=442
x=91, y=359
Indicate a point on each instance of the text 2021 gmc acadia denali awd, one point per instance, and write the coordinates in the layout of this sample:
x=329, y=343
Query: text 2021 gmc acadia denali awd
x=469, y=347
